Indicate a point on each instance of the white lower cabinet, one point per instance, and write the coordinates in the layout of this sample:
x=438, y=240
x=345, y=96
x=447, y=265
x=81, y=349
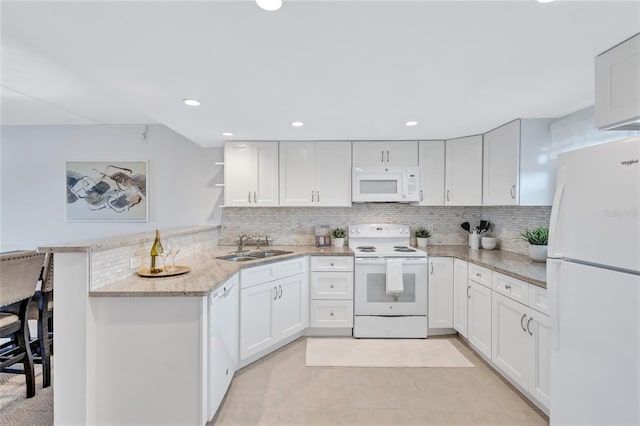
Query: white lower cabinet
x=223, y=341
x=522, y=346
x=479, y=318
x=331, y=302
x=272, y=310
x=460, y=294
x=440, y=312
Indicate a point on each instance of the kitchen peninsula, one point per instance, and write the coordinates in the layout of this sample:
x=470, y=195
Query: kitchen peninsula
x=136, y=350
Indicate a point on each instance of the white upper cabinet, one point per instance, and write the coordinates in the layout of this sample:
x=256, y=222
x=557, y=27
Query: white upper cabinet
x=251, y=174
x=315, y=174
x=618, y=86
x=517, y=168
x=463, y=171
x=431, y=162
x=501, y=165
x=385, y=154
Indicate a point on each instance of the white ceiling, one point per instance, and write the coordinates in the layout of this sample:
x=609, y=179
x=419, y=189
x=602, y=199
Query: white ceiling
x=347, y=69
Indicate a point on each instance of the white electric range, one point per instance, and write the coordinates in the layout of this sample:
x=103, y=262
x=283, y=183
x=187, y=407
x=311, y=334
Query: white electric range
x=377, y=312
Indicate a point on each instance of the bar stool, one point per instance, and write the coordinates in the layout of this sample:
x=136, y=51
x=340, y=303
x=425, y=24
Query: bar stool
x=18, y=278
x=41, y=310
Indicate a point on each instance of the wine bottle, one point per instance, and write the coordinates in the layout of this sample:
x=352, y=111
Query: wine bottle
x=156, y=250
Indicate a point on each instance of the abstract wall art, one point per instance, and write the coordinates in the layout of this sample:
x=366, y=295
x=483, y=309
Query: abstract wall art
x=107, y=191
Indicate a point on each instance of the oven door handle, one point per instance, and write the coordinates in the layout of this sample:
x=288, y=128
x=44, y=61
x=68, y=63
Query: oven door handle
x=383, y=260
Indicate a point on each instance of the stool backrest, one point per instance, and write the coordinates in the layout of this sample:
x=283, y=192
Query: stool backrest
x=19, y=274
x=47, y=273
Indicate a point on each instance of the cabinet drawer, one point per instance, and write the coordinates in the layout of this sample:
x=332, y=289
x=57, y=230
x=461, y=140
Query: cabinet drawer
x=332, y=285
x=480, y=274
x=511, y=287
x=272, y=271
x=331, y=263
x=331, y=313
x=538, y=299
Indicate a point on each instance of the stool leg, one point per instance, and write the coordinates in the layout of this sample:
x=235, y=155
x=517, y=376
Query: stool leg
x=45, y=345
x=22, y=338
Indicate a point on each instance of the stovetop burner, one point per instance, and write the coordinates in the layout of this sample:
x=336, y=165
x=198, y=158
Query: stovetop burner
x=403, y=249
x=366, y=248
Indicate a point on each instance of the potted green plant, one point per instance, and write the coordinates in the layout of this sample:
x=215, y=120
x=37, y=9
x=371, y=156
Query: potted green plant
x=338, y=236
x=538, y=238
x=422, y=235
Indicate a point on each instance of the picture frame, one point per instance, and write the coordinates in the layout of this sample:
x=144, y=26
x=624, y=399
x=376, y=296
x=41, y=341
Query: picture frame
x=107, y=191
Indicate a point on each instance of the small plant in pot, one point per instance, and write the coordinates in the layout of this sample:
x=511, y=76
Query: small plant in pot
x=338, y=236
x=422, y=235
x=538, y=238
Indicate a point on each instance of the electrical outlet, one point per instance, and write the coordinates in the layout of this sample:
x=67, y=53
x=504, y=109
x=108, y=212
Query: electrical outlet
x=134, y=263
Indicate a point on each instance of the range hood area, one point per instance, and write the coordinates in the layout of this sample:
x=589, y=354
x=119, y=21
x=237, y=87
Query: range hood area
x=617, y=73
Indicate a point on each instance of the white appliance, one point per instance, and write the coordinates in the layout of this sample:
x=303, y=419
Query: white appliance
x=593, y=277
x=385, y=184
x=378, y=312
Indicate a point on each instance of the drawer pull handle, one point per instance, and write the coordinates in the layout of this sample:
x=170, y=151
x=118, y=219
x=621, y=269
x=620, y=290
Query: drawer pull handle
x=331, y=314
x=276, y=293
x=528, y=326
x=331, y=286
x=507, y=287
x=521, y=324
x=331, y=263
x=478, y=275
x=468, y=288
x=280, y=297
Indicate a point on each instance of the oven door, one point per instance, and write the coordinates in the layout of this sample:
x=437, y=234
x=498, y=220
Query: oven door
x=370, y=288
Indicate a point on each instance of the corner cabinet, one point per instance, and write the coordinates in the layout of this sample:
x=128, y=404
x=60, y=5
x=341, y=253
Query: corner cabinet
x=385, y=154
x=618, y=86
x=460, y=293
x=431, y=160
x=251, y=174
x=273, y=304
x=440, y=312
x=315, y=174
x=517, y=168
x=463, y=171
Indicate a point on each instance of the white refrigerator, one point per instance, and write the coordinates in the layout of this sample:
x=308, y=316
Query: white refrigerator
x=593, y=279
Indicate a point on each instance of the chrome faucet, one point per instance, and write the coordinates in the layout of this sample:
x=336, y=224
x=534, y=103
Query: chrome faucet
x=243, y=238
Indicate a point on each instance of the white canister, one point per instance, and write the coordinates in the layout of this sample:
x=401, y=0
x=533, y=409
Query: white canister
x=474, y=241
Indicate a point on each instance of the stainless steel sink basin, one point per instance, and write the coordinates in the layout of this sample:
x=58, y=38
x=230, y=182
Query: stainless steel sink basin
x=243, y=257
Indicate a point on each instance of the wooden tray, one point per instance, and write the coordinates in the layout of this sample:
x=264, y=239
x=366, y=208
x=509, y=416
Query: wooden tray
x=177, y=271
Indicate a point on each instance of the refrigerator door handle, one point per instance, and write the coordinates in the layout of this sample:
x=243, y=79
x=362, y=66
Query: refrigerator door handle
x=555, y=213
x=553, y=272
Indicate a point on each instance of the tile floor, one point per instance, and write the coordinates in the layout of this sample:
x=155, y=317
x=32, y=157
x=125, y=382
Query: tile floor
x=280, y=390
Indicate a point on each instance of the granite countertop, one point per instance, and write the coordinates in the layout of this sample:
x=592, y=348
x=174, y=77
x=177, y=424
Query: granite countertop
x=508, y=263
x=122, y=240
x=208, y=273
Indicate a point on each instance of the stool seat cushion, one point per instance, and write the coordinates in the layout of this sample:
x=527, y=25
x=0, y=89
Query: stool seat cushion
x=7, y=319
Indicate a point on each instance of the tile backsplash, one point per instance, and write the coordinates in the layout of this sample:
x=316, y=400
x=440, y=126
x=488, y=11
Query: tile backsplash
x=295, y=225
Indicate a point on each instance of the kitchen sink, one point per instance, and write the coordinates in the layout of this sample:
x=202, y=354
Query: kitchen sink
x=261, y=254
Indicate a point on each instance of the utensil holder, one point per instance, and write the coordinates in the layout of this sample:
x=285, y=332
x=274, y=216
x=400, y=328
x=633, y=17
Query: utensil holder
x=474, y=241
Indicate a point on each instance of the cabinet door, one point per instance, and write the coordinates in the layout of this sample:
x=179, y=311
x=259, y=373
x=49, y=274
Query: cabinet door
x=238, y=174
x=256, y=318
x=431, y=162
x=266, y=173
x=291, y=312
x=401, y=154
x=369, y=154
x=297, y=173
x=440, y=312
x=333, y=174
x=511, y=342
x=460, y=296
x=479, y=311
x=463, y=171
x=618, y=84
x=539, y=329
x=501, y=165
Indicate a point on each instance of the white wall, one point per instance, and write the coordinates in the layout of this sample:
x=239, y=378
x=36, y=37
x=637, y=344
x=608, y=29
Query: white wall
x=181, y=179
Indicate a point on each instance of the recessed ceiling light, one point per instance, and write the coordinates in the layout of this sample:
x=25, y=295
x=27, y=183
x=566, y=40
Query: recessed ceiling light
x=411, y=123
x=545, y=1
x=227, y=134
x=191, y=102
x=297, y=124
x=270, y=5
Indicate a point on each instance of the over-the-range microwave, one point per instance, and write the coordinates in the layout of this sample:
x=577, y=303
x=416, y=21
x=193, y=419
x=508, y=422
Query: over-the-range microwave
x=385, y=184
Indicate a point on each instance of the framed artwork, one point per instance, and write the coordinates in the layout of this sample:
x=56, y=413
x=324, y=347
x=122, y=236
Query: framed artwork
x=107, y=191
